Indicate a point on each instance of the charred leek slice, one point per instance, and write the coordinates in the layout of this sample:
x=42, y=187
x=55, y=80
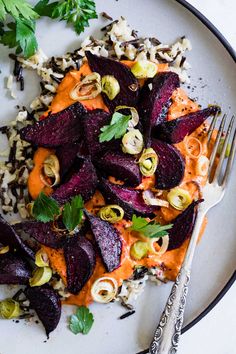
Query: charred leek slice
x=111, y=213
x=148, y=162
x=41, y=276
x=139, y=250
x=110, y=86
x=144, y=69
x=132, y=142
x=87, y=89
x=104, y=290
x=9, y=308
x=179, y=198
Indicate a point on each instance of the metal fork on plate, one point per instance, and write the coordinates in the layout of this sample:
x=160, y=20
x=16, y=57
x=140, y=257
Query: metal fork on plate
x=167, y=334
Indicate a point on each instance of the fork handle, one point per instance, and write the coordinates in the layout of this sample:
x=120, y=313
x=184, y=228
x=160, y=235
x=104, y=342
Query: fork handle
x=167, y=334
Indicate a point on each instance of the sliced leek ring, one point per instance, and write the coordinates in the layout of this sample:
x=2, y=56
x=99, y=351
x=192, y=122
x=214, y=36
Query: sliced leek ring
x=134, y=115
x=87, y=89
x=179, y=198
x=111, y=213
x=148, y=162
x=41, y=276
x=139, y=250
x=104, y=290
x=150, y=199
x=4, y=249
x=132, y=142
x=164, y=245
x=41, y=259
x=110, y=86
x=9, y=308
x=202, y=166
x=144, y=69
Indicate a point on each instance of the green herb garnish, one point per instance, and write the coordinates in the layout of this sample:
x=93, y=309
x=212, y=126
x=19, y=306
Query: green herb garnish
x=45, y=208
x=149, y=229
x=73, y=212
x=82, y=321
x=116, y=129
x=20, y=34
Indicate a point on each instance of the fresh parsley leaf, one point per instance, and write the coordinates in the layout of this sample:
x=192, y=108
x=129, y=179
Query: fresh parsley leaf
x=82, y=321
x=116, y=129
x=149, y=229
x=45, y=208
x=21, y=35
x=25, y=36
x=76, y=12
x=43, y=8
x=73, y=212
x=17, y=9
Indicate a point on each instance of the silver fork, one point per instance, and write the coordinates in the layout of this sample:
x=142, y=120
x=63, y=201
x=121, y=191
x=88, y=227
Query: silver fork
x=167, y=334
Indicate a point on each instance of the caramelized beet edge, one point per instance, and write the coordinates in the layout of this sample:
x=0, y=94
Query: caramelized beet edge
x=93, y=121
x=57, y=129
x=171, y=165
x=9, y=237
x=108, y=241
x=174, y=131
x=121, y=166
x=129, y=86
x=13, y=269
x=154, y=100
x=44, y=233
x=130, y=200
x=183, y=226
x=83, y=182
x=47, y=304
x=80, y=260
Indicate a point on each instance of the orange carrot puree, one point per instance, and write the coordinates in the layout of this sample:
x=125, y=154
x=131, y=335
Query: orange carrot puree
x=171, y=261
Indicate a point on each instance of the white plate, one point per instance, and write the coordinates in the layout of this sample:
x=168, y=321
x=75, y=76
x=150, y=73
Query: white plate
x=215, y=257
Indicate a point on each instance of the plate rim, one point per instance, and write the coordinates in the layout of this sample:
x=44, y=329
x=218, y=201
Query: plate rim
x=221, y=38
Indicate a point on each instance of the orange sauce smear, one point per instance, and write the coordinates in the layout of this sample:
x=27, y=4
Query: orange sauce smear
x=171, y=260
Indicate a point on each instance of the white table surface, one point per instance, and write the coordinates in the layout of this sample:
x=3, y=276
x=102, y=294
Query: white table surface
x=215, y=334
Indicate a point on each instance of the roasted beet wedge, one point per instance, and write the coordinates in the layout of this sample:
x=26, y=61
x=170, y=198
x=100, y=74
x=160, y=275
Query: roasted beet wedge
x=93, y=121
x=47, y=304
x=174, y=131
x=83, y=182
x=57, y=129
x=44, y=233
x=171, y=166
x=129, y=86
x=130, y=200
x=9, y=237
x=121, y=166
x=183, y=226
x=13, y=269
x=66, y=155
x=108, y=241
x=154, y=98
x=80, y=262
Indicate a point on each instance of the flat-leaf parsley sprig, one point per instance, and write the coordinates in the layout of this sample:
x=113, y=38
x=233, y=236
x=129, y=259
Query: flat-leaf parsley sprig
x=150, y=229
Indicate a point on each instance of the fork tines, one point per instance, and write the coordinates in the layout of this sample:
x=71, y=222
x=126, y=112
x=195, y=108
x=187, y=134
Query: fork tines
x=215, y=171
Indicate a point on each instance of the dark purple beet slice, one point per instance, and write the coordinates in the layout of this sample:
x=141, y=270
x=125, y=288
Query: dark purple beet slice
x=13, y=269
x=154, y=98
x=183, y=226
x=47, y=304
x=66, y=155
x=57, y=129
x=171, y=166
x=83, y=182
x=44, y=233
x=130, y=200
x=108, y=241
x=121, y=166
x=129, y=86
x=9, y=237
x=80, y=262
x=174, y=131
x=93, y=122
